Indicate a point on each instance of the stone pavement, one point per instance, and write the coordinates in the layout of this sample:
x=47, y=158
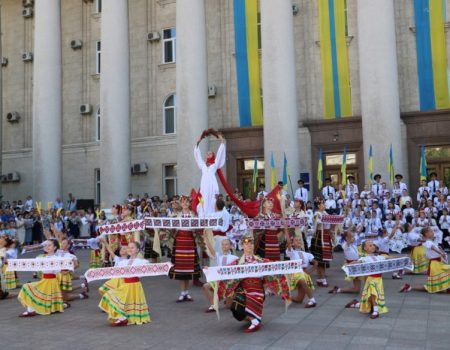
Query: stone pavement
x=415, y=321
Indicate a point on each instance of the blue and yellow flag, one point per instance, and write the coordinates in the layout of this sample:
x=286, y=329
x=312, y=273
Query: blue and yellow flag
x=273, y=173
x=255, y=174
x=390, y=167
x=248, y=62
x=320, y=170
x=334, y=57
x=370, y=165
x=344, y=167
x=423, y=164
x=431, y=54
x=285, y=173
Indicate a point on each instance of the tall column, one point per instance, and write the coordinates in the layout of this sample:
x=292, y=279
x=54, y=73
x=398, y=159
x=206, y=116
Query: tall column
x=379, y=86
x=115, y=146
x=1, y=104
x=279, y=88
x=47, y=102
x=192, y=89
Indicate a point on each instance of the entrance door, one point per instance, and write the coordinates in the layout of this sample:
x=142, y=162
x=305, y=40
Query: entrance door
x=438, y=161
x=245, y=176
x=333, y=164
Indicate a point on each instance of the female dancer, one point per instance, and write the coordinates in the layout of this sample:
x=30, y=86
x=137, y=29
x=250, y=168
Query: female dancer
x=268, y=246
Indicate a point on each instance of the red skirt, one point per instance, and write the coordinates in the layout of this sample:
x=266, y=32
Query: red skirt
x=322, y=250
x=268, y=246
x=249, y=299
x=185, y=258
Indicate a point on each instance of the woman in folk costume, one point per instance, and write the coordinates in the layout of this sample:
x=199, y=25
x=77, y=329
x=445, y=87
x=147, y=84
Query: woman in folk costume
x=301, y=281
x=208, y=184
x=8, y=251
x=299, y=212
x=119, y=255
x=44, y=297
x=438, y=279
x=127, y=304
x=268, y=245
x=321, y=246
x=185, y=258
x=246, y=296
x=417, y=254
x=372, y=295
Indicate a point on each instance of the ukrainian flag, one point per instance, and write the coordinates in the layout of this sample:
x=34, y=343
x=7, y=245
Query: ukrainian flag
x=255, y=174
x=320, y=170
x=423, y=164
x=248, y=62
x=334, y=56
x=370, y=165
x=431, y=54
x=285, y=173
x=390, y=166
x=273, y=173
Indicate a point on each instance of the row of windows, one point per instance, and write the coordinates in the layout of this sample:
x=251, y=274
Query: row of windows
x=169, y=182
x=168, y=52
x=169, y=117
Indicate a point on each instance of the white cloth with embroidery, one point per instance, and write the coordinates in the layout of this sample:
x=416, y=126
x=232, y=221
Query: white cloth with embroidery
x=222, y=273
x=376, y=266
x=44, y=264
x=135, y=270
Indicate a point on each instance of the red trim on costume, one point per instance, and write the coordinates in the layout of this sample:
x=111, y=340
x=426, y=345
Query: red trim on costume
x=48, y=276
x=376, y=275
x=131, y=280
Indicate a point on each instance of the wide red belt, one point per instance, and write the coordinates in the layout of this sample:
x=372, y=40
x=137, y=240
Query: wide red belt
x=219, y=233
x=48, y=276
x=376, y=275
x=131, y=280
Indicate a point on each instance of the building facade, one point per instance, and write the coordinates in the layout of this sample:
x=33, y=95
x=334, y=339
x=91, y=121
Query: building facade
x=319, y=75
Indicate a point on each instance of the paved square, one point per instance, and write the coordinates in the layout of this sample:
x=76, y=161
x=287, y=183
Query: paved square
x=415, y=321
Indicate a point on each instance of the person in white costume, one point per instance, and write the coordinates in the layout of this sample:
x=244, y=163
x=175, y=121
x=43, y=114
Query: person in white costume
x=208, y=184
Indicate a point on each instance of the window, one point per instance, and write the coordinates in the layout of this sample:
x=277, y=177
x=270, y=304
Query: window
x=97, y=125
x=336, y=159
x=249, y=164
x=170, y=179
x=168, y=41
x=259, y=28
x=169, y=115
x=97, y=186
x=98, y=55
x=98, y=6
x=346, y=17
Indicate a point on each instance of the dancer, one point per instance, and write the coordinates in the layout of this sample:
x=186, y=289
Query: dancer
x=185, y=259
x=118, y=256
x=321, y=245
x=301, y=281
x=268, y=246
x=438, y=279
x=208, y=184
x=43, y=297
x=245, y=297
x=223, y=258
x=127, y=304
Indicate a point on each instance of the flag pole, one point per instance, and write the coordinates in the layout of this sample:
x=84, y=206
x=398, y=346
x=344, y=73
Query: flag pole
x=292, y=188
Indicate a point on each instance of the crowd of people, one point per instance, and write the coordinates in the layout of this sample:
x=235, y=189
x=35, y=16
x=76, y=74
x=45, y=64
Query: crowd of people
x=369, y=226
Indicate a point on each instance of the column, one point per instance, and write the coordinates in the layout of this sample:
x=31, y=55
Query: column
x=47, y=102
x=115, y=146
x=192, y=89
x=1, y=104
x=378, y=72
x=279, y=88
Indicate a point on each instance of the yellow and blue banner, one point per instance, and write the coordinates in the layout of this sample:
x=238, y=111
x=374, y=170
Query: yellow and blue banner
x=431, y=54
x=286, y=174
x=423, y=164
x=390, y=167
x=320, y=171
x=370, y=165
x=273, y=173
x=255, y=174
x=334, y=56
x=248, y=62
x=344, y=167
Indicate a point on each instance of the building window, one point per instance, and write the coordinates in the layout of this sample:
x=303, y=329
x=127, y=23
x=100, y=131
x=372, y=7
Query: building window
x=97, y=125
x=98, y=6
x=336, y=159
x=169, y=115
x=98, y=55
x=97, y=186
x=169, y=37
x=346, y=17
x=170, y=179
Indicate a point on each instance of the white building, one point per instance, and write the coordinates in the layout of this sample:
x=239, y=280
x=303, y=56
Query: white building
x=371, y=73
